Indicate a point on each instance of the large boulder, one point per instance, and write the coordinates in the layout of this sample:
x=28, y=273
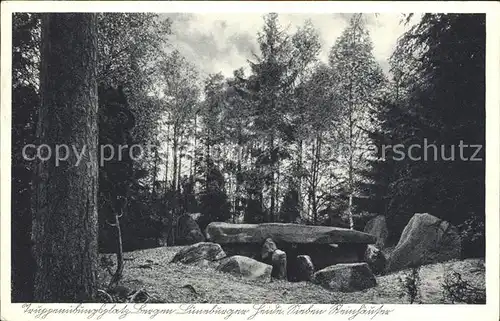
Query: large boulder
x=188, y=231
x=377, y=227
x=246, y=267
x=279, y=265
x=304, y=269
x=199, y=253
x=267, y=250
x=425, y=239
x=349, y=277
x=375, y=259
x=221, y=233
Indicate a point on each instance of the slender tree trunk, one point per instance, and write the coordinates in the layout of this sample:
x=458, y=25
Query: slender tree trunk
x=313, y=194
x=192, y=169
x=155, y=173
x=174, y=155
x=315, y=179
x=277, y=184
x=237, y=206
x=207, y=162
x=299, y=179
x=179, y=174
x=351, y=140
x=119, y=249
x=310, y=189
x=167, y=154
x=351, y=156
x=178, y=200
x=273, y=183
x=65, y=222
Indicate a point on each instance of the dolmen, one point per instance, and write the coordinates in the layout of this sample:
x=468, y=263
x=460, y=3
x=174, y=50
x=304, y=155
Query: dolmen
x=318, y=246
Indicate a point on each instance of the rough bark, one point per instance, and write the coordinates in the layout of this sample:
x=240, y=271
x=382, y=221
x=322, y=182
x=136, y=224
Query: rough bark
x=65, y=222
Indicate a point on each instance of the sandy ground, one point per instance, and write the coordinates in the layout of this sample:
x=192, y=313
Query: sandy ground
x=167, y=282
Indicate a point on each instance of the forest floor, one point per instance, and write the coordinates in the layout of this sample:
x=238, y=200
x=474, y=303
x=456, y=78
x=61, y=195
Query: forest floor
x=167, y=282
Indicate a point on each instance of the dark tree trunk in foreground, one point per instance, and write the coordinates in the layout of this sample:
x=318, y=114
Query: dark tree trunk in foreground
x=65, y=223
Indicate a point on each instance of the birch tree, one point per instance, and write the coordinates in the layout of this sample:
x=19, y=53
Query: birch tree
x=357, y=78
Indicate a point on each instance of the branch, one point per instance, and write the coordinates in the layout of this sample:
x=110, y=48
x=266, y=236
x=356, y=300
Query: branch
x=110, y=224
x=106, y=294
x=132, y=297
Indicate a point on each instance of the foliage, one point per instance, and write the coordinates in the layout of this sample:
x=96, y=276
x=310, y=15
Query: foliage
x=458, y=290
x=116, y=176
x=436, y=97
x=282, y=63
x=214, y=205
x=130, y=48
x=473, y=236
x=289, y=211
x=25, y=104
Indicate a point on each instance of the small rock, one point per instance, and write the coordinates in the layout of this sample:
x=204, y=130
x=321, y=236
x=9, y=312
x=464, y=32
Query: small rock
x=305, y=268
x=267, y=250
x=198, y=252
x=375, y=259
x=279, y=265
x=246, y=267
x=349, y=277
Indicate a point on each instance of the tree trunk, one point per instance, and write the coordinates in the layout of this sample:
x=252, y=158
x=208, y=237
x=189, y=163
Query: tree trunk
x=165, y=188
x=273, y=183
x=119, y=249
x=351, y=156
x=300, y=201
x=315, y=179
x=207, y=163
x=277, y=189
x=174, y=155
x=351, y=140
x=192, y=169
x=155, y=173
x=65, y=222
x=310, y=188
x=179, y=176
x=237, y=200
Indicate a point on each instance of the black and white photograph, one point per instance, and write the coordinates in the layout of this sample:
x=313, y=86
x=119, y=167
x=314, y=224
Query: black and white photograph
x=279, y=160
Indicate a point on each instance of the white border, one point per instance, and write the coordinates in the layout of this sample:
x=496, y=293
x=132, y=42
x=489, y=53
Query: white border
x=490, y=311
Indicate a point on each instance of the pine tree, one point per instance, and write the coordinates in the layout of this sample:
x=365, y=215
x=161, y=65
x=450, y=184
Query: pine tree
x=282, y=63
x=438, y=97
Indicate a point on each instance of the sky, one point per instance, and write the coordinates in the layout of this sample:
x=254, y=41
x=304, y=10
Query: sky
x=224, y=42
